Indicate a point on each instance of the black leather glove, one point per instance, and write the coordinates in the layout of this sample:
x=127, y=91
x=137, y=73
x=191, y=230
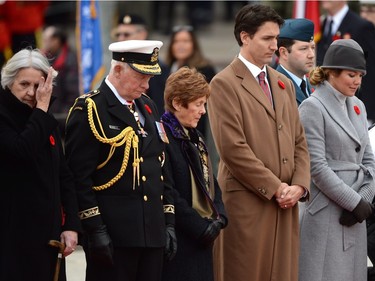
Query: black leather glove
x=171, y=243
x=363, y=210
x=212, y=232
x=100, y=248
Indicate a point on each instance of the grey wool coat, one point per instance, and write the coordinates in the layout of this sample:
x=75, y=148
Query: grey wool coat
x=342, y=169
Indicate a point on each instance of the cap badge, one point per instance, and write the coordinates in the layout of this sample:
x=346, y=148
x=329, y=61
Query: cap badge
x=127, y=19
x=155, y=53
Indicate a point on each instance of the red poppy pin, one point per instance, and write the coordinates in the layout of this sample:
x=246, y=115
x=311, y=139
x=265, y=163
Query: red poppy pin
x=336, y=36
x=148, y=109
x=52, y=140
x=357, y=110
x=281, y=84
x=347, y=36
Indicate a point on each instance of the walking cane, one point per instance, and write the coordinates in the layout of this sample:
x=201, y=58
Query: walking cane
x=61, y=246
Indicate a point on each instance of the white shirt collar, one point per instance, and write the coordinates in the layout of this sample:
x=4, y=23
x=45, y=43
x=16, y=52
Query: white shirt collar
x=295, y=78
x=125, y=102
x=337, y=18
x=255, y=70
x=110, y=85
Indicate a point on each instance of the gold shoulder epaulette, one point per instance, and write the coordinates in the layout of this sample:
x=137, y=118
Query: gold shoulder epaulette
x=80, y=101
x=146, y=95
x=89, y=94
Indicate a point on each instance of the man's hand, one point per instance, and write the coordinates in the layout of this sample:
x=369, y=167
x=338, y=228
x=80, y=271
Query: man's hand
x=288, y=195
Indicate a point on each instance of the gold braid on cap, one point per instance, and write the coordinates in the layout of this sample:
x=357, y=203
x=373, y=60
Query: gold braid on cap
x=127, y=136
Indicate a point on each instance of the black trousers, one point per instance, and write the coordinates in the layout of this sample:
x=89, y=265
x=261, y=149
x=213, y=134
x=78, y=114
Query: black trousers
x=130, y=264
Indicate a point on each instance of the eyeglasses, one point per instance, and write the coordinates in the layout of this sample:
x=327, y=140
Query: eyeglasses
x=179, y=28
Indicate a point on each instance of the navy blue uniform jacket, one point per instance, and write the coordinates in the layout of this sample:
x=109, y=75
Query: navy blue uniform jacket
x=134, y=218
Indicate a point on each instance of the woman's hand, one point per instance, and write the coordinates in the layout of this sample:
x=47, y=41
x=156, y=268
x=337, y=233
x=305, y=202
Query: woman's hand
x=44, y=91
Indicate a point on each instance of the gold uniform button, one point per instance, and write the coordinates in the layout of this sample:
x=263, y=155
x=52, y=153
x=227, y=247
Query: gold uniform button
x=161, y=178
x=159, y=158
x=145, y=198
x=161, y=197
x=141, y=159
x=143, y=178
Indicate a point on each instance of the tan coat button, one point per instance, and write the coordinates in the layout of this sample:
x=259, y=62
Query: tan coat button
x=143, y=178
x=262, y=190
x=285, y=160
x=145, y=198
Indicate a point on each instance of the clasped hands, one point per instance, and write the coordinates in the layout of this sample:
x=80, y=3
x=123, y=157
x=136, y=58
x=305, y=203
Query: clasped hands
x=288, y=195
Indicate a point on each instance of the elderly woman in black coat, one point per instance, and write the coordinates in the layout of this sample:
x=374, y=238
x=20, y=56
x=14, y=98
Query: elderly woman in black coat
x=37, y=198
x=200, y=213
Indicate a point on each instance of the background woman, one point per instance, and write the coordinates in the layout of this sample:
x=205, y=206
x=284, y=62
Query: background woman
x=333, y=231
x=37, y=198
x=184, y=50
x=200, y=213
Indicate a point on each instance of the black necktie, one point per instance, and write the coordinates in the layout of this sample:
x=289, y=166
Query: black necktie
x=328, y=33
x=303, y=87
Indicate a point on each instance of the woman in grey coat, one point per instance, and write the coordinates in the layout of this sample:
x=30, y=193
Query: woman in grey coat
x=333, y=227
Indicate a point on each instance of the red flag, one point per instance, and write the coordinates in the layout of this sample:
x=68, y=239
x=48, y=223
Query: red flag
x=308, y=9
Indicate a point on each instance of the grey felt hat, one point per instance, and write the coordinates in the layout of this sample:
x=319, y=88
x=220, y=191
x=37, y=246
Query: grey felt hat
x=345, y=54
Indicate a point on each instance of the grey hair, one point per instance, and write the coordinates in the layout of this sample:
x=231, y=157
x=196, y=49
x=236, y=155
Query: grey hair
x=116, y=62
x=24, y=59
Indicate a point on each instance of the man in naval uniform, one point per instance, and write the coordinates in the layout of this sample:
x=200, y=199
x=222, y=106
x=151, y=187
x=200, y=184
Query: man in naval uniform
x=115, y=148
x=134, y=27
x=296, y=52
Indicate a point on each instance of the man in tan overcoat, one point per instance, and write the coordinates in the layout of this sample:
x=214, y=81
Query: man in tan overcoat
x=264, y=169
